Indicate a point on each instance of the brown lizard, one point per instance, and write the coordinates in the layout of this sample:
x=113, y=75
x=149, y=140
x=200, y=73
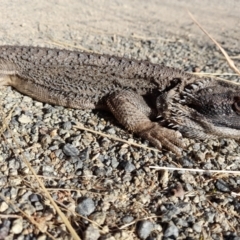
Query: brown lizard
x=156, y=102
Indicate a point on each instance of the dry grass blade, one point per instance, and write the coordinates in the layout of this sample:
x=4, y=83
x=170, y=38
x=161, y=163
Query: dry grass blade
x=138, y=220
x=115, y=138
x=196, y=170
x=229, y=60
x=9, y=215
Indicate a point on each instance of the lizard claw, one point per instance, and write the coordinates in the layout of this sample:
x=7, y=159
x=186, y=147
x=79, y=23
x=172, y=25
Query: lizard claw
x=163, y=137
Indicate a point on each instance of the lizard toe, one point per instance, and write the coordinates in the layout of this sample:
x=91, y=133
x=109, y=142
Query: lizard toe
x=163, y=137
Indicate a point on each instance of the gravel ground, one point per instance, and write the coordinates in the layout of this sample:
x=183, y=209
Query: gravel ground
x=106, y=188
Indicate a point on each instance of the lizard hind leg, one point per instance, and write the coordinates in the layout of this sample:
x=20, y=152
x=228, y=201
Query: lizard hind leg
x=133, y=113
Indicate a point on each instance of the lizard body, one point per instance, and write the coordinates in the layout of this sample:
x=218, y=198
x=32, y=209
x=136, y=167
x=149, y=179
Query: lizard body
x=136, y=92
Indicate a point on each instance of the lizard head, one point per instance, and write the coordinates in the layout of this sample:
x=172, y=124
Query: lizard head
x=203, y=108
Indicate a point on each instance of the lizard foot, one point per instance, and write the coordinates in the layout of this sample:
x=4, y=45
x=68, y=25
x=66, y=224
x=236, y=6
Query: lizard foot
x=163, y=137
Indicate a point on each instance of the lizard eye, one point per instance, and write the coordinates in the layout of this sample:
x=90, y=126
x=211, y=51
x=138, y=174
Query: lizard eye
x=237, y=106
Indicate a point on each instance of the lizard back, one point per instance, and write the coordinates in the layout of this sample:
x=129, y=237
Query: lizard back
x=78, y=79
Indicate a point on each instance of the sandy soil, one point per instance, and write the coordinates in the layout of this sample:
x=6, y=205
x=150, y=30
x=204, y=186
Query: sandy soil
x=39, y=22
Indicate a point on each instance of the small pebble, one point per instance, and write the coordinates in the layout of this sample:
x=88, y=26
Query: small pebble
x=24, y=119
x=91, y=233
x=129, y=167
x=209, y=216
x=4, y=229
x=111, y=131
x=127, y=219
x=70, y=150
x=17, y=226
x=3, y=206
x=84, y=154
x=222, y=186
x=144, y=229
x=34, y=197
x=67, y=125
x=197, y=227
x=171, y=231
x=85, y=207
x=98, y=217
x=114, y=162
x=38, y=206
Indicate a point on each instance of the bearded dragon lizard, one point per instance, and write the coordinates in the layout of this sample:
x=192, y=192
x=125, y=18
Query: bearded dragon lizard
x=156, y=102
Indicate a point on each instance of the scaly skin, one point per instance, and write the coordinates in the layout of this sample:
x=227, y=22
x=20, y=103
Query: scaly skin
x=136, y=92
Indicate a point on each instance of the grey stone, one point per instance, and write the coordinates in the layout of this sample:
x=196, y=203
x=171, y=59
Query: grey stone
x=67, y=125
x=24, y=119
x=84, y=154
x=3, y=180
x=78, y=163
x=114, y=162
x=4, y=229
x=197, y=227
x=209, y=216
x=13, y=192
x=42, y=237
x=38, y=206
x=13, y=172
x=181, y=222
x=222, y=186
x=34, y=197
x=59, y=153
x=14, y=164
x=85, y=207
x=171, y=231
x=98, y=217
x=46, y=140
x=91, y=233
x=17, y=226
x=100, y=172
x=186, y=162
x=26, y=195
x=70, y=150
x=47, y=169
x=3, y=206
x=169, y=211
x=28, y=208
x=127, y=219
x=111, y=131
x=129, y=167
x=144, y=229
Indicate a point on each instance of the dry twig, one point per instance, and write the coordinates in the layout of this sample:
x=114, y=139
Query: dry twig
x=229, y=60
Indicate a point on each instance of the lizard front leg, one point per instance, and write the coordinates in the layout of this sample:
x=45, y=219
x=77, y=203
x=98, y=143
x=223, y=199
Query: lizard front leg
x=133, y=113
